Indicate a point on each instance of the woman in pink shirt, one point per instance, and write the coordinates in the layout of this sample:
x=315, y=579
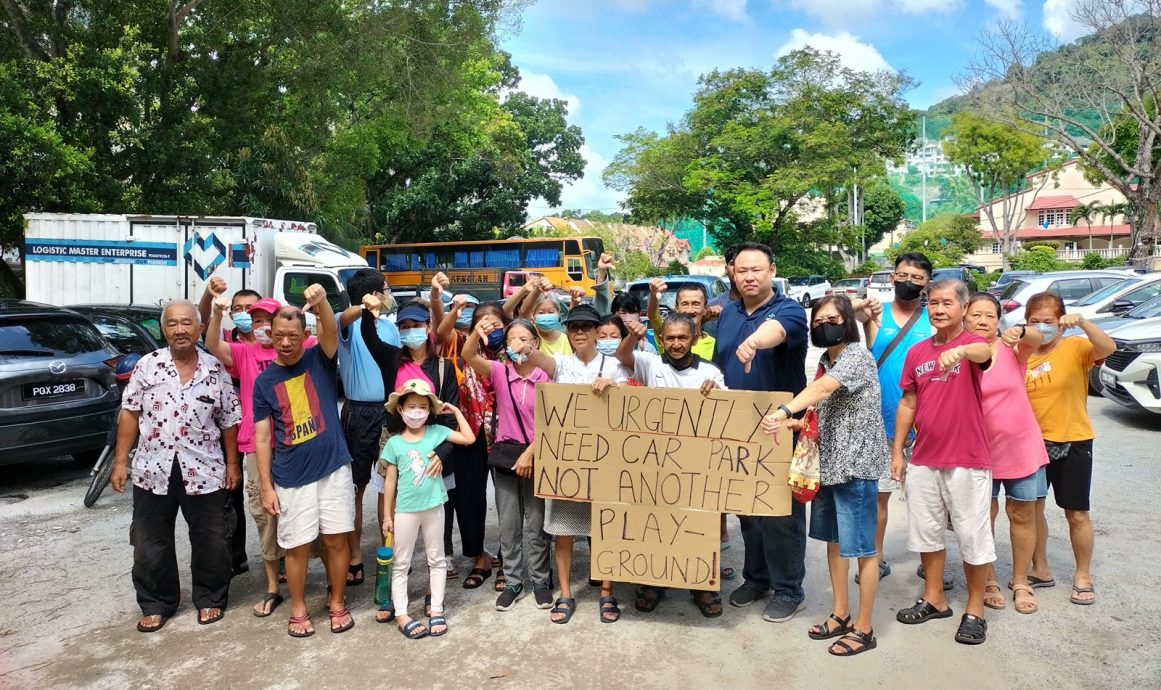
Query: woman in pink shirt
x=1018, y=455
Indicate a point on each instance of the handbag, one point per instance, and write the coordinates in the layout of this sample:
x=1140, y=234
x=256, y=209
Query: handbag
x=804, y=464
x=505, y=453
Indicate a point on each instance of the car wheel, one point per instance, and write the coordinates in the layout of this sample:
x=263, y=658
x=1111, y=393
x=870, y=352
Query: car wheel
x=806, y=301
x=1094, y=382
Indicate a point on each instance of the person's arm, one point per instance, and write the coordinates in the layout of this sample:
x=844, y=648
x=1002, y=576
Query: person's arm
x=446, y=330
x=381, y=351
x=350, y=315
x=214, y=343
x=904, y=420
x=127, y=429
x=1102, y=344
x=463, y=435
x=603, y=290
x=215, y=287
x=629, y=345
x=439, y=283
x=653, y=311
x=264, y=454
x=869, y=312
x=387, y=500
x=769, y=335
x=328, y=333
x=545, y=363
x=1025, y=341
x=471, y=354
x=512, y=305
x=979, y=352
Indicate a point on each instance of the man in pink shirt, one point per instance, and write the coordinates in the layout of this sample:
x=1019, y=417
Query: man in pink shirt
x=950, y=474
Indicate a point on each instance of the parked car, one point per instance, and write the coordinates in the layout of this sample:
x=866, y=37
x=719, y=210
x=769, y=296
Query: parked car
x=58, y=387
x=808, y=289
x=713, y=285
x=781, y=287
x=129, y=328
x=1007, y=277
x=1069, y=285
x=880, y=287
x=1130, y=375
x=855, y=288
x=958, y=273
x=1118, y=298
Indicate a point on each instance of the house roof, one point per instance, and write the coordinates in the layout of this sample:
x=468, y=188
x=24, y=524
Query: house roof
x=1066, y=232
x=1045, y=203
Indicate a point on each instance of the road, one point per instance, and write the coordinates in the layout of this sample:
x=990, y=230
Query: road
x=69, y=612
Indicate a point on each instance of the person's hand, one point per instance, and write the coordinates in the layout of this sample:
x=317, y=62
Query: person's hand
x=606, y=262
x=388, y=526
x=270, y=501
x=1011, y=337
x=544, y=284
x=897, y=465
x=746, y=353
x=434, y=465
x=949, y=358
x=372, y=304
x=484, y=328
x=314, y=295
x=657, y=286
x=448, y=408
x=221, y=305
x=772, y=422
x=602, y=384
x=636, y=329
x=233, y=476
x=794, y=425
x=119, y=477
x=523, y=466
x=439, y=283
x=216, y=286
x=458, y=303
x=575, y=294
x=867, y=309
x=1071, y=321
x=712, y=313
x=707, y=386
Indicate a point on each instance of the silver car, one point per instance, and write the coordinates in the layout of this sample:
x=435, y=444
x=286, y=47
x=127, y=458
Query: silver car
x=1069, y=285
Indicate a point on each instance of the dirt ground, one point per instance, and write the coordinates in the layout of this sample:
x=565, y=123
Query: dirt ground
x=69, y=611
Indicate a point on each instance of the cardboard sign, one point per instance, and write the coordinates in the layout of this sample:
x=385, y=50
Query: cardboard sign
x=655, y=546
x=659, y=466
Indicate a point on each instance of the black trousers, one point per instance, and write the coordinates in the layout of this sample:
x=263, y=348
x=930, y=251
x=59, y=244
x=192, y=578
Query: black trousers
x=237, y=502
x=155, y=555
x=468, y=502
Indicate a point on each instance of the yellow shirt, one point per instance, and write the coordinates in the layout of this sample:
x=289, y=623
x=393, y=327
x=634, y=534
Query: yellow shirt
x=704, y=347
x=560, y=347
x=1058, y=390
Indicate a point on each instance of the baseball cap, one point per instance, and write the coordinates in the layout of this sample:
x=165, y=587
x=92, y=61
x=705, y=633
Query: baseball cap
x=582, y=313
x=413, y=312
x=266, y=304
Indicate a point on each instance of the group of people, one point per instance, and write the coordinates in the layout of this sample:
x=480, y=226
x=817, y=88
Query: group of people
x=938, y=402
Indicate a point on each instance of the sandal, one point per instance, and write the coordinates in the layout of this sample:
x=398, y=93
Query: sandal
x=711, y=608
x=729, y=573
x=214, y=618
x=273, y=599
x=823, y=631
x=921, y=612
x=477, y=577
x=501, y=581
x=564, y=606
x=1077, y=591
x=300, y=620
x=972, y=630
x=884, y=571
x=866, y=639
x=609, y=611
x=1024, y=605
x=389, y=609
x=414, y=630
x=434, y=621
x=142, y=627
x=355, y=575
x=453, y=570
x=648, y=598
x=337, y=615
x=1036, y=583
x=994, y=600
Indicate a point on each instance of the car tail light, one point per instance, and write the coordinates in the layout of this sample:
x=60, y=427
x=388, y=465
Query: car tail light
x=1011, y=306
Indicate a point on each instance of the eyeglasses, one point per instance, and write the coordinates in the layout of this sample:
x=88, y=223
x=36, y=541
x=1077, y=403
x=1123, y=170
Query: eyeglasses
x=913, y=277
x=580, y=327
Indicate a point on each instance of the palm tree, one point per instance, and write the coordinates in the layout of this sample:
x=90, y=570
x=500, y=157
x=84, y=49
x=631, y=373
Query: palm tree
x=1109, y=211
x=1087, y=213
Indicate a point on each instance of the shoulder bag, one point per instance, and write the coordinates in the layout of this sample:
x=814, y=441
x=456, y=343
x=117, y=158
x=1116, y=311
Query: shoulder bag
x=505, y=453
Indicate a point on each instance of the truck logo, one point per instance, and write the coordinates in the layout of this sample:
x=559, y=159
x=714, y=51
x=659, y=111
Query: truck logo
x=204, y=253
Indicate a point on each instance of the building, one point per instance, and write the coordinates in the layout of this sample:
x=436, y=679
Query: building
x=1042, y=212
x=927, y=157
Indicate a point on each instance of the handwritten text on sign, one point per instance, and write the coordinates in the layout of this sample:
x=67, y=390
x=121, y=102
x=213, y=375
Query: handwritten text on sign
x=653, y=545
x=661, y=447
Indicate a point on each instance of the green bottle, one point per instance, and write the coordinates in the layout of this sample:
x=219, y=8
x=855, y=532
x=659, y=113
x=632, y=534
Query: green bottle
x=384, y=558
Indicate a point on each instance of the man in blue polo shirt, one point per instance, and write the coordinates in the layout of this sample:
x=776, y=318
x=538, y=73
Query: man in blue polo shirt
x=363, y=415
x=775, y=559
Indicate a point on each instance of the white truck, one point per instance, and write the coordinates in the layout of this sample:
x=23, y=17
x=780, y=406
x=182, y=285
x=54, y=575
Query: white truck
x=128, y=259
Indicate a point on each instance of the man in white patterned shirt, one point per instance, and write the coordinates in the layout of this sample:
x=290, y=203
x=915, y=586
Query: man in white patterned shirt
x=180, y=406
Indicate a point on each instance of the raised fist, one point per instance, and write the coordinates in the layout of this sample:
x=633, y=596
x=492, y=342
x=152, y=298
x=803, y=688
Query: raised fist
x=216, y=286
x=636, y=329
x=439, y=282
x=606, y=262
x=658, y=286
x=222, y=305
x=313, y=295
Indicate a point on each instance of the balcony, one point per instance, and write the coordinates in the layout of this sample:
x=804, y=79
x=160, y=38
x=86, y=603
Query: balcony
x=1077, y=255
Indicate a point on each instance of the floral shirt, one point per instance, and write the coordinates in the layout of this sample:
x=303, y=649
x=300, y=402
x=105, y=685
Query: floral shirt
x=477, y=397
x=181, y=421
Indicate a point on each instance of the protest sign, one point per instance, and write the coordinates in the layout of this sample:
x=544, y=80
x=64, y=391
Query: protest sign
x=655, y=546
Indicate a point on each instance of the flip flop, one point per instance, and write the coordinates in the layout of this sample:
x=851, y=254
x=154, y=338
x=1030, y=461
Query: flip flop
x=212, y=619
x=477, y=577
x=1036, y=583
x=274, y=599
x=299, y=620
x=355, y=575
x=434, y=621
x=729, y=573
x=336, y=615
x=563, y=605
x=414, y=630
x=608, y=607
x=152, y=628
x=501, y=581
x=1082, y=590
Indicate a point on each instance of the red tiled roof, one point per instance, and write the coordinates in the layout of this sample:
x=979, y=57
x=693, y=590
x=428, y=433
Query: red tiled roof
x=1066, y=232
x=1044, y=203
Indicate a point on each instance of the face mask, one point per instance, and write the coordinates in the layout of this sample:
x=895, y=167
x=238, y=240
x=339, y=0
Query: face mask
x=828, y=334
x=548, y=322
x=464, y=322
x=413, y=337
x=243, y=321
x=495, y=340
x=516, y=357
x=608, y=346
x=679, y=364
x=414, y=418
x=907, y=291
x=262, y=335
x=1047, y=331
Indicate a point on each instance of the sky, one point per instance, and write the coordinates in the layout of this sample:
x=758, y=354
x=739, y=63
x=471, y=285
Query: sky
x=624, y=64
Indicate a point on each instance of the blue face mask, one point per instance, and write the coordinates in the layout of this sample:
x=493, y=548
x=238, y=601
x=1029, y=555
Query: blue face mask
x=1048, y=332
x=608, y=346
x=243, y=321
x=464, y=322
x=516, y=357
x=495, y=340
x=548, y=322
x=413, y=337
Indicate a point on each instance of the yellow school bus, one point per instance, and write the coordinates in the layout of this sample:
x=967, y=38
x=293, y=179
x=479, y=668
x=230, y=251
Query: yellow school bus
x=479, y=267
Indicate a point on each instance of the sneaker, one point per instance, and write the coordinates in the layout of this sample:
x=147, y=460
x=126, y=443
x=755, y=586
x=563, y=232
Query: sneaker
x=778, y=611
x=747, y=594
x=543, y=597
x=508, y=598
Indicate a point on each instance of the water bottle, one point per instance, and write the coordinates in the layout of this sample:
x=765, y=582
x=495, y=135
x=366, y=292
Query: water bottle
x=384, y=558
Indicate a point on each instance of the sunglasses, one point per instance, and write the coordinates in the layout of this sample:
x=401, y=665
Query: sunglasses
x=580, y=327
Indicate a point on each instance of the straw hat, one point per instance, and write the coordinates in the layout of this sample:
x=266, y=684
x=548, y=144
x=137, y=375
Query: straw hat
x=418, y=387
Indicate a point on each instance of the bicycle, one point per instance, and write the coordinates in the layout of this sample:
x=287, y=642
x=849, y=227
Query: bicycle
x=103, y=469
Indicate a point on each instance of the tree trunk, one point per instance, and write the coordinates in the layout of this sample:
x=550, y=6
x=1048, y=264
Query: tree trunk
x=1143, y=228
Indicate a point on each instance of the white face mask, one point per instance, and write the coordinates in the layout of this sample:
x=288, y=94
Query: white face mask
x=262, y=335
x=414, y=418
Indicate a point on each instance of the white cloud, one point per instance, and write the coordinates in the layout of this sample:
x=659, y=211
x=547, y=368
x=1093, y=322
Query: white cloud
x=1059, y=22
x=587, y=193
x=854, y=53
x=542, y=86
x=730, y=9
x=835, y=12
x=1008, y=9
x=930, y=6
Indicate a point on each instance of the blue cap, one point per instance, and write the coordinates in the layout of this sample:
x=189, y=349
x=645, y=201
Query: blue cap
x=413, y=312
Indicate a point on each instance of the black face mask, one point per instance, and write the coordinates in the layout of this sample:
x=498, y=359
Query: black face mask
x=680, y=364
x=907, y=291
x=828, y=334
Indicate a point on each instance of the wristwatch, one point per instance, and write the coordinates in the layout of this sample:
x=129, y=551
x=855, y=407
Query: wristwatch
x=786, y=411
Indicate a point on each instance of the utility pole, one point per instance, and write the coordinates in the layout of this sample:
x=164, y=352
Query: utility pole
x=923, y=162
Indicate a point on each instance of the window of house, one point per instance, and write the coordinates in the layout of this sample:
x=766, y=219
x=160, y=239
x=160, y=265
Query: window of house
x=997, y=247
x=1052, y=217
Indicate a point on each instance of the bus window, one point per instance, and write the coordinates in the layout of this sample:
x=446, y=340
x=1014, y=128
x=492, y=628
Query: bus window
x=396, y=263
x=575, y=269
x=593, y=248
x=543, y=255
x=373, y=258
x=502, y=257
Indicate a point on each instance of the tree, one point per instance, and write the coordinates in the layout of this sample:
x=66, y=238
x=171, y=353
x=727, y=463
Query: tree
x=1110, y=211
x=676, y=268
x=999, y=158
x=1096, y=98
x=1038, y=259
x=944, y=240
x=1087, y=213
x=703, y=253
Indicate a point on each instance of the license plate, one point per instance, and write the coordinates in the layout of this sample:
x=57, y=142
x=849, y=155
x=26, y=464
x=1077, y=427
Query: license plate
x=1108, y=379
x=56, y=389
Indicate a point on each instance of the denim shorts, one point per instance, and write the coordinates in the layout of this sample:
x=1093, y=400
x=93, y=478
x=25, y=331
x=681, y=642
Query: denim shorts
x=1028, y=488
x=847, y=515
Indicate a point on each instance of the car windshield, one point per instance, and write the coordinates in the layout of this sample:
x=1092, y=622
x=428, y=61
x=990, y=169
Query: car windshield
x=1105, y=292
x=48, y=336
x=1146, y=310
x=1012, y=288
x=880, y=278
x=798, y=281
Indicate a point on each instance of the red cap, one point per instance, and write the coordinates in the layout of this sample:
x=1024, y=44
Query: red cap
x=268, y=305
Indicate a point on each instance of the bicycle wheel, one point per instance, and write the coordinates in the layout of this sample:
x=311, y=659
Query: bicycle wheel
x=101, y=475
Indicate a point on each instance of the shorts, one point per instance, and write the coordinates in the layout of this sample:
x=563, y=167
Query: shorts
x=888, y=485
x=323, y=507
x=934, y=494
x=363, y=426
x=1071, y=476
x=847, y=514
x=266, y=523
x=1029, y=488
